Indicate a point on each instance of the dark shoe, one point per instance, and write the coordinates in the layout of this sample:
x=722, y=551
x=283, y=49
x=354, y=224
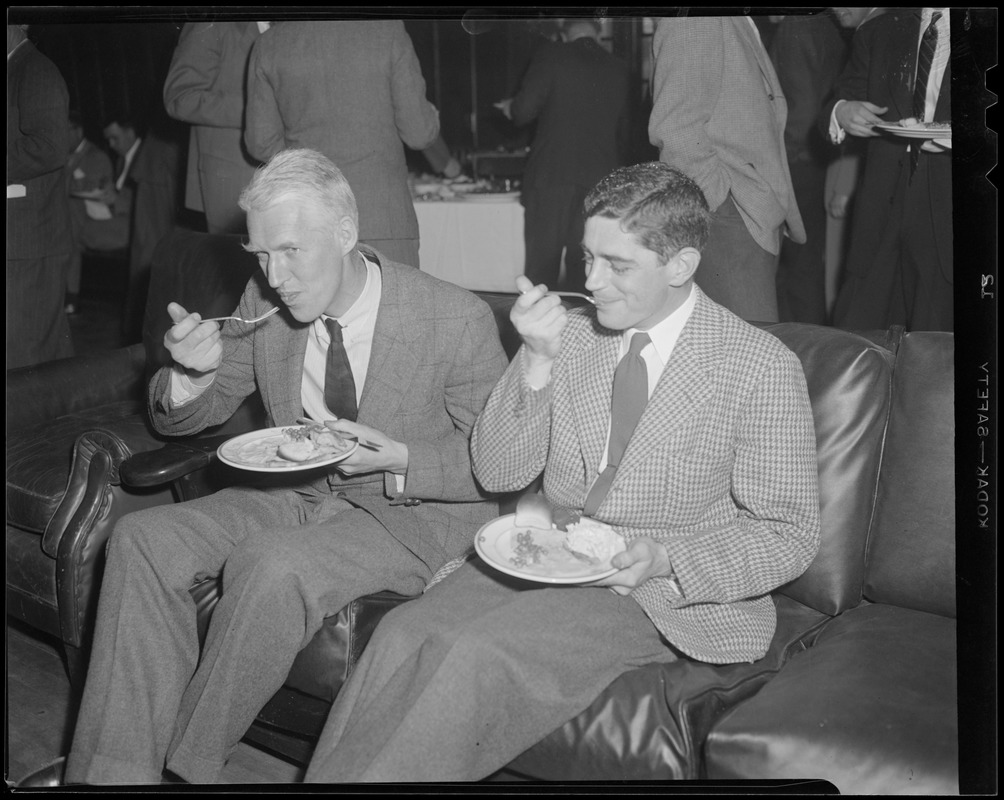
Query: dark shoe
x=50, y=775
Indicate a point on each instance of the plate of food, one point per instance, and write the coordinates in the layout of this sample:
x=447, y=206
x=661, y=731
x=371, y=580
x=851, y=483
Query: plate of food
x=911, y=128
x=286, y=449
x=549, y=555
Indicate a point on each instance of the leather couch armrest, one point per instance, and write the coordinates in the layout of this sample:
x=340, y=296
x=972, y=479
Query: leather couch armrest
x=43, y=392
x=170, y=463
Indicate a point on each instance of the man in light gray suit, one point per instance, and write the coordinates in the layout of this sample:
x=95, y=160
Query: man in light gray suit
x=354, y=91
x=423, y=355
x=715, y=496
x=718, y=116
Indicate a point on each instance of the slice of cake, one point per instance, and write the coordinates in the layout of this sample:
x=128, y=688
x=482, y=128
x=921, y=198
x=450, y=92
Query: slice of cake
x=594, y=539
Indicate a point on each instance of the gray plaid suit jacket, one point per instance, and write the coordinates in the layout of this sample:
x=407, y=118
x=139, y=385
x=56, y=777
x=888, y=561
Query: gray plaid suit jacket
x=436, y=356
x=718, y=116
x=721, y=469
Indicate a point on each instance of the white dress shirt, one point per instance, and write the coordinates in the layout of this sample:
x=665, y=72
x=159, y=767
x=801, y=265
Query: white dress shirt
x=358, y=324
x=656, y=353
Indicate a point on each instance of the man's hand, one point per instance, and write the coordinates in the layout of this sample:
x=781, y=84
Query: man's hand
x=192, y=343
x=858, y=117
x=505, y=106
x=645, y=558
x=390, y=455
x=539, y=319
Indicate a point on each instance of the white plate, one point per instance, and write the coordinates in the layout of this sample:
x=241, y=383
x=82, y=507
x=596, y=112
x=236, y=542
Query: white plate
x=256, y=451
x=915, y=132
x=490, y=197
x=496, y=544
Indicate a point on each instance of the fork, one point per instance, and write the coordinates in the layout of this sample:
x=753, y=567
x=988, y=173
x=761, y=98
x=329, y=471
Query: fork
x=313, y=423
x=590, y=298
x=266, y=315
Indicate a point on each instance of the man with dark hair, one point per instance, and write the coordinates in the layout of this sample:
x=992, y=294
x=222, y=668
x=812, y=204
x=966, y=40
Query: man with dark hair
x=377, y=351
x=713, y=490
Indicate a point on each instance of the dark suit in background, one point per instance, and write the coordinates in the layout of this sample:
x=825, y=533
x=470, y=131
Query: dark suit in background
x=902, y=224
x=39, y=238
x=205, y=87
x=353, y=91
x=153, y=176
x=577, y=93
x=808, y=54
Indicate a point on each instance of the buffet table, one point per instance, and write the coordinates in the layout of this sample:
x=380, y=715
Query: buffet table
x=474, y=242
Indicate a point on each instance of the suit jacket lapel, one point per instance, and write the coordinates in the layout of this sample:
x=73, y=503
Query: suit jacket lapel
x=591, y=376
x=283, y=354
x=686, y=386
x=772, y=87
x=392, y=361
x=901, y=69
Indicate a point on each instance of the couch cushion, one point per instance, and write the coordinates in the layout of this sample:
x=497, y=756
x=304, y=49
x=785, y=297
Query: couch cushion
x=650, y=723
x=849, y=380
x=911, y=555
x=38, y=460
x=871, y=707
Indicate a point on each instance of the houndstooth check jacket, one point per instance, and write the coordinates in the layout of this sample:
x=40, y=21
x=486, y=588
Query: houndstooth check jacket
x=718, y=116
x=721, y=468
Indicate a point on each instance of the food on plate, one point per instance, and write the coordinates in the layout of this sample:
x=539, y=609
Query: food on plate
x=311, y=442
x=533, y=511
x=913, y=122
x=594, y=539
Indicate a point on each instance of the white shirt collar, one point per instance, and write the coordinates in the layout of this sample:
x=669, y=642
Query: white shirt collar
x=665, y=332
x=365, y=306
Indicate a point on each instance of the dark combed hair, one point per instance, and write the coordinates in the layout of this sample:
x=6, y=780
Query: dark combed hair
x=661, y=206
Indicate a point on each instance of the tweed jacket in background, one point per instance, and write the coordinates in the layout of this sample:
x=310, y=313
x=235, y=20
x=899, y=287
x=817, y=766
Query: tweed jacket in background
x=38, y=224
x=205, y=87
x=721, y=468
x=436, y=356
x=719, y=116
x=353, y=91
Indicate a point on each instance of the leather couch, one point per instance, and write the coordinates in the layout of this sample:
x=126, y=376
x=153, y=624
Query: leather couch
x=857, y=689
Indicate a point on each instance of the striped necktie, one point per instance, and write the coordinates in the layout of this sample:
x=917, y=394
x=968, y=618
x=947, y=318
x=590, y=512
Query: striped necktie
x=630, y=396
x=339, y=385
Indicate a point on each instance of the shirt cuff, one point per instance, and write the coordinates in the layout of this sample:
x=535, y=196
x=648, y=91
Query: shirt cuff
x=184, y=388
x=837, y=133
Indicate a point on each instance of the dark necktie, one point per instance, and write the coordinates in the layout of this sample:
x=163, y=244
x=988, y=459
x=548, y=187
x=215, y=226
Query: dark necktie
x=630, y=395
x=925, y=57
x=339, y=385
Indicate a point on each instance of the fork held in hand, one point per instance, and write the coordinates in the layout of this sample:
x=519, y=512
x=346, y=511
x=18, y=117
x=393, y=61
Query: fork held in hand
x=266, y=315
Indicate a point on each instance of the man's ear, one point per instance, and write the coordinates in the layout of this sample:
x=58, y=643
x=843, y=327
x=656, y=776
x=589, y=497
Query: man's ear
x=683, y=265
x=347, y=234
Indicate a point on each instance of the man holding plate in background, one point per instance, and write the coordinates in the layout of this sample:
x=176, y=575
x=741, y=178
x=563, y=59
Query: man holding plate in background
x=659, y=416
x=896, y=92
x=381, y=353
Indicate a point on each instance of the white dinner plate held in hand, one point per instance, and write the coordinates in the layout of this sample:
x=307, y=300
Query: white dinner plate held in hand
x=535, y=554
x=918, y=131
x=257, y=451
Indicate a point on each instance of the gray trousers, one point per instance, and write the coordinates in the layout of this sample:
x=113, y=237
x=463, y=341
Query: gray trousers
x=453, y=686
x=288, y=560
x=737, y=272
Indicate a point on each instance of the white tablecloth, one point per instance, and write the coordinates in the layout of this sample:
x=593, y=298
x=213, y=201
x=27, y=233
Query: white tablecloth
x=474, y=244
